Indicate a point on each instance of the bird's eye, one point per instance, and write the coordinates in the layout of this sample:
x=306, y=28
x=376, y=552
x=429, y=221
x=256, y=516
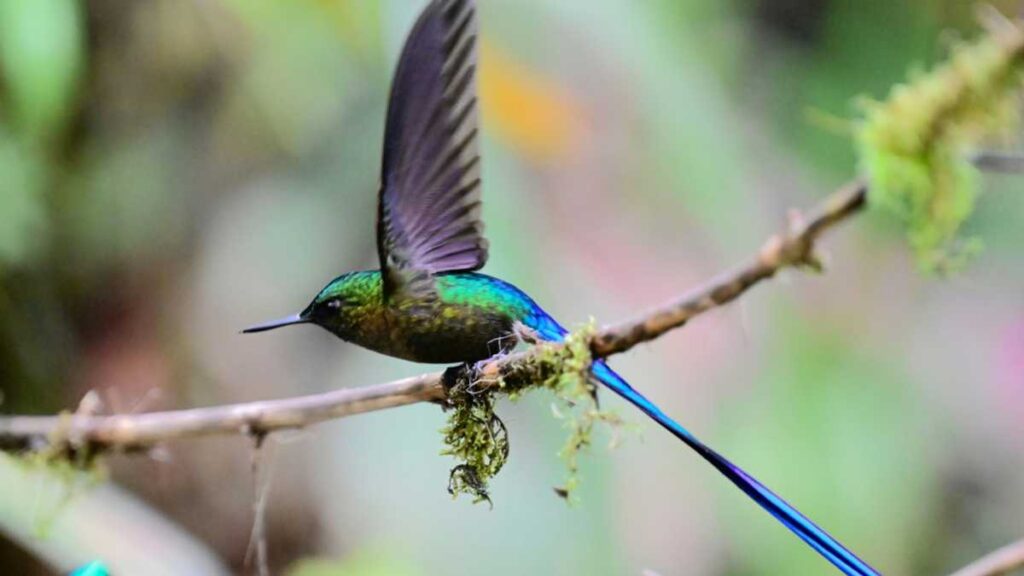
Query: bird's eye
x=334, y=304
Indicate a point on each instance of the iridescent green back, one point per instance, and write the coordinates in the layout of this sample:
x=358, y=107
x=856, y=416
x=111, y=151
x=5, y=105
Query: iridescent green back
x=484, y=293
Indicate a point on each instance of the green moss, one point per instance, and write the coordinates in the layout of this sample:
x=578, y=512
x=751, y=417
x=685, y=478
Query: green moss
x=914, y=146
x=576, y=404
x=477, y=438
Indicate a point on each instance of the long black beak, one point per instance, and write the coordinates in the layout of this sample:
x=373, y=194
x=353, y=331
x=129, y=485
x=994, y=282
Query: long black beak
x=289, y=321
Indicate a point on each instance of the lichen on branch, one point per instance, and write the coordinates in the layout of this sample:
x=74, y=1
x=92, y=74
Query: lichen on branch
x=914, y=146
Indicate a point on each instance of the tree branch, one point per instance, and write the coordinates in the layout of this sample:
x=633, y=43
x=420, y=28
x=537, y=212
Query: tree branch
x=91, y=433
x=795, y=248
x=1002, y=561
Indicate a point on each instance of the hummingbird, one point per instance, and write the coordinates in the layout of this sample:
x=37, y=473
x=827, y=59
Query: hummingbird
x=427, y=302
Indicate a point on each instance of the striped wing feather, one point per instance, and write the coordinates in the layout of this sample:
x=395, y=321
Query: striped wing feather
x=429, y=204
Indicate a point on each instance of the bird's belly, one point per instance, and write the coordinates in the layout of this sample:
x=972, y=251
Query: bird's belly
x=452, y=336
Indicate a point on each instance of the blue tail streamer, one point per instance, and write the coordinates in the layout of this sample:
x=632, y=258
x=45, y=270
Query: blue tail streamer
x=797, y=523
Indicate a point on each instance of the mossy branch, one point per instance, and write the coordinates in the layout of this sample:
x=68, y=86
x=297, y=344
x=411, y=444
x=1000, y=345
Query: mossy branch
x=915, y=146
x=68, y=435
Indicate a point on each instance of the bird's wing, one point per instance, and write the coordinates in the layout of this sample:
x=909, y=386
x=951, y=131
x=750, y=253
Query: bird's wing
x=428, y=218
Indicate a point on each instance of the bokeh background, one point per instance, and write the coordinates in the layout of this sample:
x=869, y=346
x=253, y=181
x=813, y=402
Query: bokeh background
x=174, y=170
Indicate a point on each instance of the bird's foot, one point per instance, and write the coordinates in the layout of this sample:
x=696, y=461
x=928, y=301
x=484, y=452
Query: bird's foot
x=525, y=335
x=458, y=378
x=506, y=343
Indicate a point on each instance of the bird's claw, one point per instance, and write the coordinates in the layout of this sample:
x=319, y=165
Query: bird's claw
x=456, y=377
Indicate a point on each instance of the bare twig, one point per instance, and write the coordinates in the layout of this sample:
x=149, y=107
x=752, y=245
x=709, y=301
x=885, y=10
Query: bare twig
x=261, y=478
x=999, y=26
x=793, y=248
x=1002, y=162
x=1002, y=561
x=90, y=433
x=140, y=431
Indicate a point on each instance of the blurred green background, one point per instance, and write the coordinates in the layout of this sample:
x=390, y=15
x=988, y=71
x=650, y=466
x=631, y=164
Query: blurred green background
x=174, y=170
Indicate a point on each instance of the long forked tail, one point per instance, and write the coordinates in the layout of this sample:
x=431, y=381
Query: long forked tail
x=799, y=524
x=548, y=329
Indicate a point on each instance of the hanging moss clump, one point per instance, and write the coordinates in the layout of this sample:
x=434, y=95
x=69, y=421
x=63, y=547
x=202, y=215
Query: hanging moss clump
x=477, y=438
x=914, y=147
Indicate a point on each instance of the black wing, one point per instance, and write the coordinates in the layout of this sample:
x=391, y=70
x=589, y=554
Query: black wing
x=428, y=218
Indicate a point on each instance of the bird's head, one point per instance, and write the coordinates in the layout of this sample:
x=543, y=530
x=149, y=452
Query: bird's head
x=337, y=307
